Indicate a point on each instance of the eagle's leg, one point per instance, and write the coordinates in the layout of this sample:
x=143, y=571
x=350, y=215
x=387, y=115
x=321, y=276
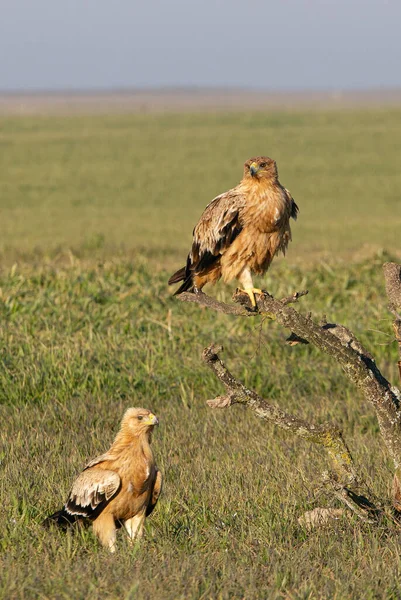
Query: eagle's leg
x=245, y=279
x=134, y=526
x=105, y=529
x=198, y=281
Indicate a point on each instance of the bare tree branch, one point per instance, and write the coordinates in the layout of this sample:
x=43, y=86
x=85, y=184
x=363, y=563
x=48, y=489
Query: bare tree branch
x=357, y=503
x=336, y=341
x=358, y=364
x=209, y=302
x=392, y=277
x=326, y=435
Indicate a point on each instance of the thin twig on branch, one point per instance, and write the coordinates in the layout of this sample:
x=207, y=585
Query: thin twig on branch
x=294, y=298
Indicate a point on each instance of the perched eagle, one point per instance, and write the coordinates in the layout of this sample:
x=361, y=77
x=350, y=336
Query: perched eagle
x=121, y=486
x=240, y=231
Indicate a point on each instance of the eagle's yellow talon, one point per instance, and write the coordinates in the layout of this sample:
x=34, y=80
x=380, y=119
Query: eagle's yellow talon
x=251, y=293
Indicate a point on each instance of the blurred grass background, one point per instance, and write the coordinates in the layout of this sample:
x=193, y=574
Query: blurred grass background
x=142, y=181
x=95, y=214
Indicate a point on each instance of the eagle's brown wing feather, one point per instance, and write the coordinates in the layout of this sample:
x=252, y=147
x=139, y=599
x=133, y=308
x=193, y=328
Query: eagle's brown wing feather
x=294, y=205
x=99, y=459
x=219, y=225
x=216, y=230
x=92, y=491
x=157, y=488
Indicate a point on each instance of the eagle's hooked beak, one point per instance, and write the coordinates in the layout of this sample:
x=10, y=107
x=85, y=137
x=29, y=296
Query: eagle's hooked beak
x=152, y=420
x=254, y=168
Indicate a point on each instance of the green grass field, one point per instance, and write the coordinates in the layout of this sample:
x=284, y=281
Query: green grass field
x=95, y=213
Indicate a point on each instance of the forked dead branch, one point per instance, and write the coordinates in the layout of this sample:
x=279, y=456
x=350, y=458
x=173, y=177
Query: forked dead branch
x=358, y=364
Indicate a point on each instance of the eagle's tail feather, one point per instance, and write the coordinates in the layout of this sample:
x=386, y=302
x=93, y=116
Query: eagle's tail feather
x=178, y=276
x=187, y=286
x=60, y=518
x=181, y=275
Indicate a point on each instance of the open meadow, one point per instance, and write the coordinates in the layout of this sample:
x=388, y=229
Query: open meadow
x=95, y=213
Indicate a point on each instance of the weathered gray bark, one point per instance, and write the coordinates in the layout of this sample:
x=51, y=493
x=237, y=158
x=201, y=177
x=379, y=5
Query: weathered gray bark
x=392, y=277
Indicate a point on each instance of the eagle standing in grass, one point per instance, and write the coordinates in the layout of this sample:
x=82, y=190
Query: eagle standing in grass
x=240, y=231
x=121, y=486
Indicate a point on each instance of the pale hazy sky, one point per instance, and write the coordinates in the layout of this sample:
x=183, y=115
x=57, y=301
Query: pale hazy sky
x=270, y=44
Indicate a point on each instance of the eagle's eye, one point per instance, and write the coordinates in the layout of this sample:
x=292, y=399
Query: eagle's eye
x=263, y=165
x=140, y=417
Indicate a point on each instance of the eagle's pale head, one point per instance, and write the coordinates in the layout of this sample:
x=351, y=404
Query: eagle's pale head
x=261, y=167
x=138, y=420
